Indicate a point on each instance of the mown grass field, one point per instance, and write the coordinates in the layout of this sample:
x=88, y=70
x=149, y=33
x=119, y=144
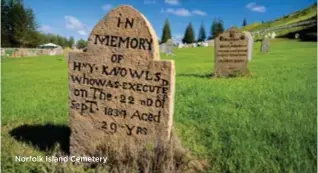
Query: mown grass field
x=262, y=123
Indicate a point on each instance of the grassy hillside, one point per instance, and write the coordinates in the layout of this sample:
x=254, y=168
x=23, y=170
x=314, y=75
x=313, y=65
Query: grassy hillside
x=263, y=123
x=295, y=17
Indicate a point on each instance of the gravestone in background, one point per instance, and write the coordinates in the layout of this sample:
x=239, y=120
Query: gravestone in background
x=3, y=52
x=265, y=45
x=231, y=53
x=297, y=36
x=180, y=45
x=250, y=45
x=273, y=35
x=163, y=48
x=169, y=47
x=211, y=43
x=120, y=92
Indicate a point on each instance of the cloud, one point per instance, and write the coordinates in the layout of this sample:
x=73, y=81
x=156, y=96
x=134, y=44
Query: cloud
x=183, y=12
x=179, y=12
x=178, y=37
x=82, y=32
x=46, y=29
x=172, y=2
x=73, y=23
x=257, y=8
x=149, y=2
x=107, y=7
x=199, y=12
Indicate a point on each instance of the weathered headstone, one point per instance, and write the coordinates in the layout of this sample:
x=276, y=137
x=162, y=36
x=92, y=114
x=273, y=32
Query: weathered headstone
x=250, y=45
x=211, y=43
x=3, y=52
x=163, y=48
x=231, y=53
x=120, y=90
x=273, y=35
x=205, y=44
x=180, y=45
x=297, y=36
x=169, y=47
x=265, y=45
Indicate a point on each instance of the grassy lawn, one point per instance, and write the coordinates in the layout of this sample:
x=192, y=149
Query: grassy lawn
x=262, y=123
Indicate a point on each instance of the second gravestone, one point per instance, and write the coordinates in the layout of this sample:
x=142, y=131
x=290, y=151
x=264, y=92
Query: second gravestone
x=169, y=47
x=265, y=45
x=231, y=53
x=250, y=44
x=119, y=89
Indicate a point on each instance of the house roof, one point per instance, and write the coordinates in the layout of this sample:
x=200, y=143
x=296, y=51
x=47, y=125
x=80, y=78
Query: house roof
x=49, y=45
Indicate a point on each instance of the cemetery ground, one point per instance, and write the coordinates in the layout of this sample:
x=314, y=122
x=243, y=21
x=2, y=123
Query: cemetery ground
x=264, y=122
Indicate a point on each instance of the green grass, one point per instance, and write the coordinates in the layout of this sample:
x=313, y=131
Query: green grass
x=262, y=123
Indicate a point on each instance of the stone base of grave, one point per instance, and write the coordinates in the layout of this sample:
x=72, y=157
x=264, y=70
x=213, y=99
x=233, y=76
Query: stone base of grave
x=229, y=75
x=168, y=157
x=169, y=54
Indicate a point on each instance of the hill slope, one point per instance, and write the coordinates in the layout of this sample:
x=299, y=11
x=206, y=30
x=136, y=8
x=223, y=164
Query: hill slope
x=299, y=16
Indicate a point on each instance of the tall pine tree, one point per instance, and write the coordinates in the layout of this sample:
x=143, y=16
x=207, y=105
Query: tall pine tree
x=216, y=28
x=189, y=35
x=166, y=33
x=71, y=42
x=5, y=25
x=244, y=22
x=202, y=34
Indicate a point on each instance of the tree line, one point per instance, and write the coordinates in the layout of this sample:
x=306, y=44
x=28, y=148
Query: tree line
x=189, y=36
x=19, y=28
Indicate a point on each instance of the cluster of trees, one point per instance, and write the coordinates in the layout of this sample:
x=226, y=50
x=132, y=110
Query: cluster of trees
x=215, y=30
x=189, y=37
x=80, y=44
x=56, y=39
x=18, y=25
x=20, y=29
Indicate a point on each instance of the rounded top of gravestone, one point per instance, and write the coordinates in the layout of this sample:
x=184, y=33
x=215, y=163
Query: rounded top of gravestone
x=248, y=34
x=124, y=30
x=232, y=34
x=169, y=41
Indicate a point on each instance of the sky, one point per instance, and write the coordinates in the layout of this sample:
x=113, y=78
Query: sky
x=78, y=17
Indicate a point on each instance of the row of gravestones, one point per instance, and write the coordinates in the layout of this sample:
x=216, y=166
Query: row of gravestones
x=120, y=92
x=167, y=48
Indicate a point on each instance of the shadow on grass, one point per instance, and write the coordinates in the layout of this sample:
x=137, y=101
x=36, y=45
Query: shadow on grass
x=210, y=75
x=44, y=137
